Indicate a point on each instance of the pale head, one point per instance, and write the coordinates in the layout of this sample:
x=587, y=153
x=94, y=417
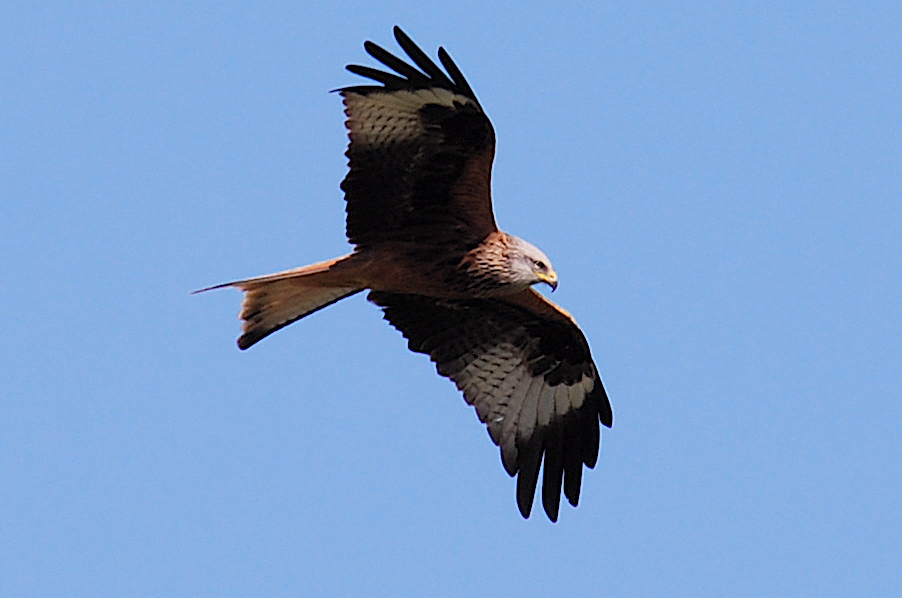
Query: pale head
x=529, y=265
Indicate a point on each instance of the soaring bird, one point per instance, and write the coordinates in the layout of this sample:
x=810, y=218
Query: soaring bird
x=426, y=246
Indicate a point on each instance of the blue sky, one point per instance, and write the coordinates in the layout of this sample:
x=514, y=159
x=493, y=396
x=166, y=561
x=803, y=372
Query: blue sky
x=718, y=185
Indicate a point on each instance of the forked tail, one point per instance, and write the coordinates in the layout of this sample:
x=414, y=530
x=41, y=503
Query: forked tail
x=276, y=300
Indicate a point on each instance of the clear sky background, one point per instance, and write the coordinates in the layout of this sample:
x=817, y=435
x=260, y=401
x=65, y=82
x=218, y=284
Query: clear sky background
x=717, y=183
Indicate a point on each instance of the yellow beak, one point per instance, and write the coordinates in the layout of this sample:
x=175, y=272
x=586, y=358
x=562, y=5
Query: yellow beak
x=549, y=278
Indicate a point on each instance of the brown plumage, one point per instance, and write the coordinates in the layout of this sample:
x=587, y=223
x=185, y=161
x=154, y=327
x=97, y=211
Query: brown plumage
x=426, y=245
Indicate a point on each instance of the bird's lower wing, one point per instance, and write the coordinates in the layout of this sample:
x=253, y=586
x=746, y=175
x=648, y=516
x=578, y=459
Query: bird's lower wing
x=530, y=377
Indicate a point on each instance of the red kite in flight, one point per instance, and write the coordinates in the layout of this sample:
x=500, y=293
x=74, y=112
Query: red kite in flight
x=426, y=246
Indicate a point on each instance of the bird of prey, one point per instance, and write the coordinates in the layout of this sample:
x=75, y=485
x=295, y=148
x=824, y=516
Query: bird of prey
x=426, y=247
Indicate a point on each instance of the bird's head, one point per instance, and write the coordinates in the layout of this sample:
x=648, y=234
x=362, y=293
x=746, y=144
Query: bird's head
x=530, y=265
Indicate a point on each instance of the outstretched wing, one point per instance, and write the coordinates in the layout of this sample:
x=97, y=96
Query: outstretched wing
x=526, y=367
x=420, y=152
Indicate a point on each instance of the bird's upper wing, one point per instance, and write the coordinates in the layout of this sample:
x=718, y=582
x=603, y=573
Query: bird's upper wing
x=525, y=366
x=420, y=152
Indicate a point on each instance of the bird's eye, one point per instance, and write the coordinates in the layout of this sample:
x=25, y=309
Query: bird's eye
x=540, y=265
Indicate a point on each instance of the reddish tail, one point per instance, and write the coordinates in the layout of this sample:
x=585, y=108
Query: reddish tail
x=276, y=300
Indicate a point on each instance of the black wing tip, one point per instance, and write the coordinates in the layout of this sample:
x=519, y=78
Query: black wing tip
x=246, y=341
x=551, y=504
x=605, y=413
x=400, y=36
x=551, y=498
x=563, y=452
x=406, y=75
x=525, y=506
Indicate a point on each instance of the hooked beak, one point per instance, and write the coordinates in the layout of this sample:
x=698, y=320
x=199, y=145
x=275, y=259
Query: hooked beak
x=549, y=278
